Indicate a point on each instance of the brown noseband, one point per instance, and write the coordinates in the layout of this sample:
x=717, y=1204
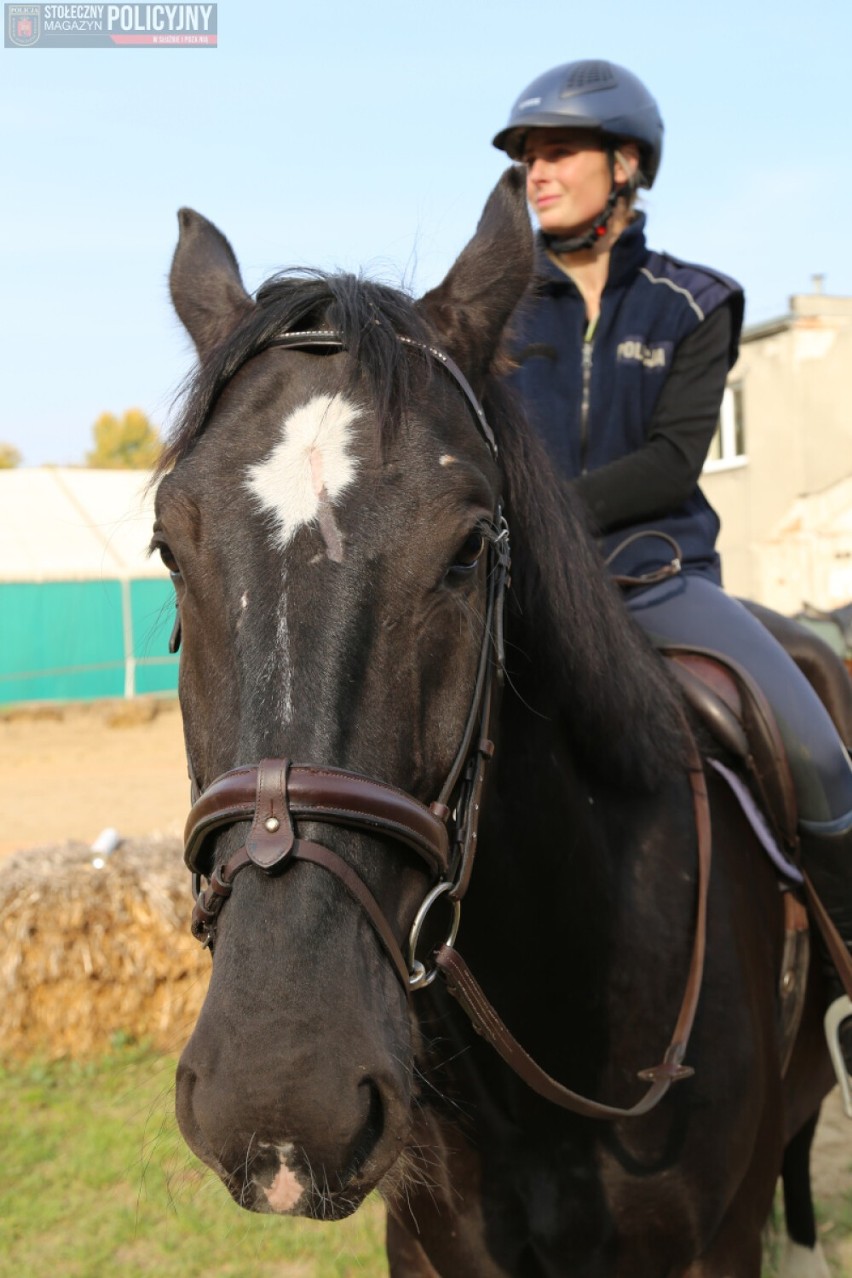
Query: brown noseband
x=275, y=792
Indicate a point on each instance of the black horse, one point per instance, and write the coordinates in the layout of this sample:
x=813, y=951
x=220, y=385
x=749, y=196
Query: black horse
x=332, y=511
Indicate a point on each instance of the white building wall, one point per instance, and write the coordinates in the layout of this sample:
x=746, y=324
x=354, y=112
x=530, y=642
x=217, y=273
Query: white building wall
x=786, y=506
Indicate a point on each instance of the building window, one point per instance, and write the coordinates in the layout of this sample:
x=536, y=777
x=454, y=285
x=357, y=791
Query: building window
x=727, y=447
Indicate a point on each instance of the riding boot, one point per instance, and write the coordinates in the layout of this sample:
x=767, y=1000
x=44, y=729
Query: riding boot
x=827, y=861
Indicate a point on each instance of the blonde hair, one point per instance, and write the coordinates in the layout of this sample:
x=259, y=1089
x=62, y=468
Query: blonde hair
x=634, y=181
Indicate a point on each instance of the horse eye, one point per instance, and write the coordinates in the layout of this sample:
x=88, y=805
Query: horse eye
x=470, y=552
x=168, y=558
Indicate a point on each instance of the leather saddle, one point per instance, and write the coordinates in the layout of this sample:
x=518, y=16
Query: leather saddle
x=736, y=713
x=738, y=716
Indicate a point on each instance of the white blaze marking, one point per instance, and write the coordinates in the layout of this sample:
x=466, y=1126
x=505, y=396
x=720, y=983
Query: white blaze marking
x=308, y=470
x=243, y=606
x=283, y=637
x=447, y=459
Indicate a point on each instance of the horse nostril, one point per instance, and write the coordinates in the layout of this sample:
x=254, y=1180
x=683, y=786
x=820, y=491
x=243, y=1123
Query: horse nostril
x=371, y=1131
x=185, y=1084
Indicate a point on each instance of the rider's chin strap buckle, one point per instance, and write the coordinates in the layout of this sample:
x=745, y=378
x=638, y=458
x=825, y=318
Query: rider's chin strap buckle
x=839, y=1011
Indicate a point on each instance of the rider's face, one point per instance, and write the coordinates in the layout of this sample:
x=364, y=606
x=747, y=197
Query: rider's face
x=568, y=178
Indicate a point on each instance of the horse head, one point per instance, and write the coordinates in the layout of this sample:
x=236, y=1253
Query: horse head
x=326, y=510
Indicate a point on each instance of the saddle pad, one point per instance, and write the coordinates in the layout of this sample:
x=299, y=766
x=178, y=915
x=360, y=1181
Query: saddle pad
x=757, y=821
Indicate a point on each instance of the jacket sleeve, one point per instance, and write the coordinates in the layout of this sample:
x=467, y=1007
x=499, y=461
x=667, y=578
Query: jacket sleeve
x=659, y=476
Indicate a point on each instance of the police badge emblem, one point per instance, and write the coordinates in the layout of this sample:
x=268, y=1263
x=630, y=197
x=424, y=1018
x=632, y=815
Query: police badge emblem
x=23, y=24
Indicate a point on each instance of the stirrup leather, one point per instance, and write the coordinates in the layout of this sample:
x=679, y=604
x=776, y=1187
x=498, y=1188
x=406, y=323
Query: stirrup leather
x=837, y=1013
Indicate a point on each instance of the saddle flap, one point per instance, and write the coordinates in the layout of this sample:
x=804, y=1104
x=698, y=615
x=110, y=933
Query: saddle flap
x=736, y=712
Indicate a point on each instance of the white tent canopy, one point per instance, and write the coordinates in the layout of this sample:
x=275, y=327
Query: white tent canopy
x=64, y=524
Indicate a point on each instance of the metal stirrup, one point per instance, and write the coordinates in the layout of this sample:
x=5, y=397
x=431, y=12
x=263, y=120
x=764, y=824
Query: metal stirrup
x=837, y=1013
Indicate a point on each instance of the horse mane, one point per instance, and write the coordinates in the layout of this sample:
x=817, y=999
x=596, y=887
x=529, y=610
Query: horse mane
x=575, y=642
x=570, y=633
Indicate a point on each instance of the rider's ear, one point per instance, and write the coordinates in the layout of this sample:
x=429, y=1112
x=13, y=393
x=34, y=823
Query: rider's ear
x=471, y=308
x=205, y=283
x=625, y=164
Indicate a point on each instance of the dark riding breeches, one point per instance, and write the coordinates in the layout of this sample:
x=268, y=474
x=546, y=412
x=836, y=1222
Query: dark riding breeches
x=692, y=609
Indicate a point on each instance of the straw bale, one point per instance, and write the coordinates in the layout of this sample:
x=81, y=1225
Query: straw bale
x=87, y=954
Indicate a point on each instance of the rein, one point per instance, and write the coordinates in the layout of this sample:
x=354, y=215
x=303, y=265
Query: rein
x=464, y=988
x=443, y=835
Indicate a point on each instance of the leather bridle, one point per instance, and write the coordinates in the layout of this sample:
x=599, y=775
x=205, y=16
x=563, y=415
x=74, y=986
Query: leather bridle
x=278, y=791
x=277, y=794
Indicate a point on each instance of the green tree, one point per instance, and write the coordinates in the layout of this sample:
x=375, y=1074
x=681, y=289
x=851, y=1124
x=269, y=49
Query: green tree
x=10, y=457
x=130, y=442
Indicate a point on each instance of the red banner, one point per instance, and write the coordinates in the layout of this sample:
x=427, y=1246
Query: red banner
x=163, y=39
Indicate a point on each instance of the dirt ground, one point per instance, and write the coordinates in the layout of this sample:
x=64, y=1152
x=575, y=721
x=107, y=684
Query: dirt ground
x=70, y=772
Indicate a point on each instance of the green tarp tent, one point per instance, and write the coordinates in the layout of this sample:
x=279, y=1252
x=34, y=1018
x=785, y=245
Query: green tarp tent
x=84, y=612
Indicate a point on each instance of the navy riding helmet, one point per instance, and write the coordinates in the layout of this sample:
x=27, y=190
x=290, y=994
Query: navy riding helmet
x=590, y=95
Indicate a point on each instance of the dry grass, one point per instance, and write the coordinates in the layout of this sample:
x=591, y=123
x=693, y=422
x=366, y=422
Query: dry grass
x=87, y=954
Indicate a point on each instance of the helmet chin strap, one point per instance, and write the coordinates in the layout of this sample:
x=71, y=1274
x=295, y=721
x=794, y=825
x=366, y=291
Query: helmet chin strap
x=598, y=228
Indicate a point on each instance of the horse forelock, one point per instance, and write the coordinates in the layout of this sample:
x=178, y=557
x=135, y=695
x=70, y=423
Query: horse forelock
x=371, y=318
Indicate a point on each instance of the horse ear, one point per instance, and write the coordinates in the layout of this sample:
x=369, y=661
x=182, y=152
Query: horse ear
x=472, y=306
x=205, y=284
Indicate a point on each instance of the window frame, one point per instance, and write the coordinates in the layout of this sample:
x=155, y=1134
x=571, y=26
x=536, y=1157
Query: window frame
x=730, y=433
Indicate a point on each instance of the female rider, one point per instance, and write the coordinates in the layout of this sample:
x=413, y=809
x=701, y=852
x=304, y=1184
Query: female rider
x=622, y=355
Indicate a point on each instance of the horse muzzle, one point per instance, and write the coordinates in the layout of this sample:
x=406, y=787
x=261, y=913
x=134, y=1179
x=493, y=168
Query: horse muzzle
x=312, y=1153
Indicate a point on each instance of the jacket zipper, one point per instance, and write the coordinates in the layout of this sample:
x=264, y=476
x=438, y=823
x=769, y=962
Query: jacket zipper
x=588, y=347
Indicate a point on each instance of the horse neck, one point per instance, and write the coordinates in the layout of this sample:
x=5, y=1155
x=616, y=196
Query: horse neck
x=572, y=876
x=545, y=871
